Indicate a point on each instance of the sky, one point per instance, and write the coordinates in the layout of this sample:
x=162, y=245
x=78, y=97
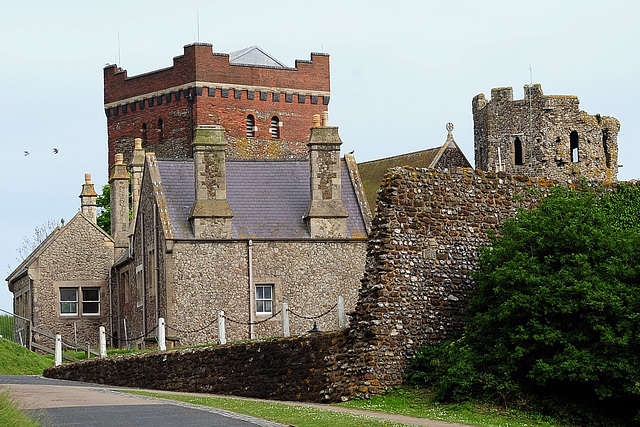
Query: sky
x=400, y=71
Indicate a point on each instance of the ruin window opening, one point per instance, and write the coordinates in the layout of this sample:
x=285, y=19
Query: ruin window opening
x=251, y=126
x=275, y=128
x=264, y=299
x=605, y=146
x=517, y=149
x=573, y=146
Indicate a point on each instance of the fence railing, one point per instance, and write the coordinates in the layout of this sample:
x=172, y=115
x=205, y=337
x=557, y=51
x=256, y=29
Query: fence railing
x=21, y=330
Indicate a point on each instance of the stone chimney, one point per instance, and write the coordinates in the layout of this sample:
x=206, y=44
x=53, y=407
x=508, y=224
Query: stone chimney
x=137, y=167
x=326, y=215
x=211, y=214
x=119, y=186
x=88, y=198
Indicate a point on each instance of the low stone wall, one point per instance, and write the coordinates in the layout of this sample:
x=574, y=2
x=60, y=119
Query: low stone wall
x=307, y=368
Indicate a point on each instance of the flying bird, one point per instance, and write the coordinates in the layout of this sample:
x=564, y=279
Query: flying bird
x=55, y=151
x=26, y=153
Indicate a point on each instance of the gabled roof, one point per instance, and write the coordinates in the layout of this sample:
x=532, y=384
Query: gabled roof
x=372, y=172
x=269, y=198
x=254, y=55
x=22, y=269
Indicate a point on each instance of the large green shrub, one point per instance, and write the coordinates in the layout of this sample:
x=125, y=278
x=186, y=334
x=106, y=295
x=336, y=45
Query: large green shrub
x=555, y=318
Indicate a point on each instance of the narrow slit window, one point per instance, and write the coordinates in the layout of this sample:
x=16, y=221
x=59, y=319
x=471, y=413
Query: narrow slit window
x=251, y=126
x=573, y=146
x=161, y=129
x=517, y=150
x=605, y=146
x=144, y=134
x=275, y=128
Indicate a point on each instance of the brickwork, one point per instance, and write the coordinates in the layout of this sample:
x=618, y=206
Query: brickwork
x=202, y=88
x=544, y=136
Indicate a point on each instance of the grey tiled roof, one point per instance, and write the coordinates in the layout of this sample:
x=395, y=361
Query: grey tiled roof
x=268, y=198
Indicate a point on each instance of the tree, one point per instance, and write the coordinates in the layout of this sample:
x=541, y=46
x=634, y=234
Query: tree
x=29, y=244
x=104, y=209
x=555, y=317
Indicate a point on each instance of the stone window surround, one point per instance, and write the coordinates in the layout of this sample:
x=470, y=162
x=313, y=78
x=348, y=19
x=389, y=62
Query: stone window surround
x=78, y=285
x=276, y=295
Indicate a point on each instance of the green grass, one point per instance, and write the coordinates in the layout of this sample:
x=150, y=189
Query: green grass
x=10, y=415
x=301, y=416
x=17, y=360
x=417, y=402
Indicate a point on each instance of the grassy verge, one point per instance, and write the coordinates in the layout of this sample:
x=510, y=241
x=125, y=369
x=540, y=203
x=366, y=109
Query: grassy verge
x=413, y=402
x=11, y=416
x=17, y=360
x=301, y=416
x=416, y=402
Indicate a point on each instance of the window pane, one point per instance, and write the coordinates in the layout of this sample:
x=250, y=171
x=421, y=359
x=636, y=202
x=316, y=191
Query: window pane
x=68, y=294
x=259, y=292
x=68, y=308
x=90, y=294
x=267, y=292
x=91, y=308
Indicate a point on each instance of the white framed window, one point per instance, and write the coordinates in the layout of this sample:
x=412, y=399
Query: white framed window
x=264, y=299
x=68, y=301
x=275, y=127
x=91, y=301
x=251, y=126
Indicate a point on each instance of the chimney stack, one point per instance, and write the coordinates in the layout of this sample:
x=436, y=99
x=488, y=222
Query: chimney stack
x=326, y=215
x=211, y=214
x=119, y=187
x=137, y=167
x=88, y=199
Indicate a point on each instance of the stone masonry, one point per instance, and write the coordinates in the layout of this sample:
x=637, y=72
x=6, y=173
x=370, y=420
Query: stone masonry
x=544, y=136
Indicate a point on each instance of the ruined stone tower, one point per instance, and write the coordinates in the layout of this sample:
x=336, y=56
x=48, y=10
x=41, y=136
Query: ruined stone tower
x=265, y=107
x=543, y=136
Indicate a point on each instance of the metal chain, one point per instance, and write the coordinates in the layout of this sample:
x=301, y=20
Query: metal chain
x=252, y=323
x=313, y=317
x=215, y=319
x=136, y=338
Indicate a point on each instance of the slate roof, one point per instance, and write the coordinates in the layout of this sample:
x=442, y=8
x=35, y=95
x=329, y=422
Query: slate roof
x=268, y=198
x=254, y=55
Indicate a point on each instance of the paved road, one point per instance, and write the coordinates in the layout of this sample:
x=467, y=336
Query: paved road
x=69, y=403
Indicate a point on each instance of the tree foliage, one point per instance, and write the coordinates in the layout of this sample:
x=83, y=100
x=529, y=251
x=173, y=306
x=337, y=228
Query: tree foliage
x=555, y=318
x=104, y=209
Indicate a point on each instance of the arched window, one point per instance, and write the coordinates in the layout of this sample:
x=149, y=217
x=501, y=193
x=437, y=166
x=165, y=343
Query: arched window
x=517, y=150
x=573, y=146
x=144, y=134
x=251, y=126
x=275, y=127
x=161, y=129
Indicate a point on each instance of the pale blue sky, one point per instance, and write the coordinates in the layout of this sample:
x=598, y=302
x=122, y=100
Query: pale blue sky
x=399, y=72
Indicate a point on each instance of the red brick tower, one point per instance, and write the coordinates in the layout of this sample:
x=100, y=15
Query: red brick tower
x=265, y=107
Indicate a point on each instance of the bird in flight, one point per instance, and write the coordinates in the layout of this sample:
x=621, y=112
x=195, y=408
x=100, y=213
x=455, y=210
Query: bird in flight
x=26, y=153
x=55, y=151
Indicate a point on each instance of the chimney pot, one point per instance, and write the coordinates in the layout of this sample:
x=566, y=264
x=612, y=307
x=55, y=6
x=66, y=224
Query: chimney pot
x=119, y=159
x=138, y=143
x=87, y=178
x=325, y=118
x=316, y=120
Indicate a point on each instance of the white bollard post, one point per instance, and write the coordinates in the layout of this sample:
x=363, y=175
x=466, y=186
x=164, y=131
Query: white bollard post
x=103, y=342
x=222, y=330
x=342, y=318
x=162, y=344
x=285, y=320
x=58, y=355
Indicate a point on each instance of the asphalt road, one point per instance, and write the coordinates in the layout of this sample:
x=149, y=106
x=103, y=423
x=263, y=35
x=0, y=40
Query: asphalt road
x=70, y=403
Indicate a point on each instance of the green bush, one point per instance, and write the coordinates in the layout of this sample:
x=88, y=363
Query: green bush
x=554, y=321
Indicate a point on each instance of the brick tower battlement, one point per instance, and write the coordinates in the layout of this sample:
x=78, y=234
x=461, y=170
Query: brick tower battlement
x=265, y=107
x=543, y=136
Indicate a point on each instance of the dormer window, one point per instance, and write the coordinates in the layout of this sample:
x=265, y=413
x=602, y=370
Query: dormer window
x=251, y=126
x=275, y=128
